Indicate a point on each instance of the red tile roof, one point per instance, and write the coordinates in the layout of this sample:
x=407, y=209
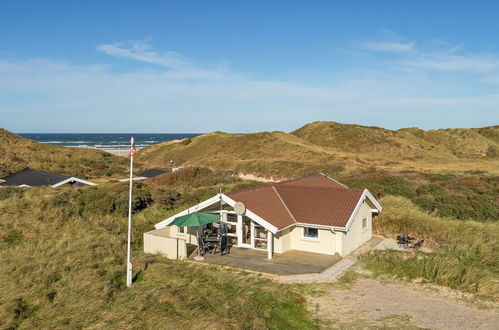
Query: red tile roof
x=315, y=180
x=264, y=201
x=315, y=199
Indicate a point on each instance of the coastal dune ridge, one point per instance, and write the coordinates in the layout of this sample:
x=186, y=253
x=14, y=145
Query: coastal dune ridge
x=115, y=143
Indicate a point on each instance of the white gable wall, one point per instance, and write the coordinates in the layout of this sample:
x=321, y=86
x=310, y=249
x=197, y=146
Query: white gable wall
x=357, y=236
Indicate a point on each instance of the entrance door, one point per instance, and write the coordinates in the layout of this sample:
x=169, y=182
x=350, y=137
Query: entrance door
x=246, y=232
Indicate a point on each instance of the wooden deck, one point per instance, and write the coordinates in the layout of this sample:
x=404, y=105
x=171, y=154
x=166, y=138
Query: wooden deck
x=289, y=263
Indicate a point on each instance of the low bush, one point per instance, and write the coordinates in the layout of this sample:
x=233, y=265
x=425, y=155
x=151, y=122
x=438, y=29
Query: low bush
x=381, y=184
x=111, y=199
x=193, y=177
x=462, y=198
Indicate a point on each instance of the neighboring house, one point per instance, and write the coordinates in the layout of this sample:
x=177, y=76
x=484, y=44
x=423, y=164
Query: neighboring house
x=313, y=214
x=30, y=178
x=151, y=173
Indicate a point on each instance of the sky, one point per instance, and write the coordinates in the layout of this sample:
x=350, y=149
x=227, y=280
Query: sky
x=246, y=66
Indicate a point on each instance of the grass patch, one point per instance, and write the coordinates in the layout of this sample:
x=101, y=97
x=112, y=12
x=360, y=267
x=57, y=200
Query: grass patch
x=465, y=257
x=345, y=282
x=19, y=153
x=67, y=271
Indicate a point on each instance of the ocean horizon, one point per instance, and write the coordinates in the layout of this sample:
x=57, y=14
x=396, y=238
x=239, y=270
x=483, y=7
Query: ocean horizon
x=105, y=140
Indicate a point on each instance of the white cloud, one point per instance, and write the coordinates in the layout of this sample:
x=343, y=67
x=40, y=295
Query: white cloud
x=395, y=47
x=176, y=94
x=450, y=62
x=176, y=66
x=139, y=51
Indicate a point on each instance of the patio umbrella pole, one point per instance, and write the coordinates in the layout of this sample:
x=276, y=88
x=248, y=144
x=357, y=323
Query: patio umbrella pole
x=199, y=257
x=196, y=219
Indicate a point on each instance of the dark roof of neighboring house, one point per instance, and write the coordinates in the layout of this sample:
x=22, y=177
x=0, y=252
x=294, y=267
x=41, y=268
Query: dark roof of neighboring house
x=31, y=178
x=152, y=172
x=316, y=199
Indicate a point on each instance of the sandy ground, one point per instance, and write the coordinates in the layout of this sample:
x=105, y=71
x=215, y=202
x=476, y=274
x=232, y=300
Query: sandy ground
x=253, y=177
x=118, y=152
x=372, y=304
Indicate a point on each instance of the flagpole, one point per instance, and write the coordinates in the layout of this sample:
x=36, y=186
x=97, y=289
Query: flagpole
x=129, y=252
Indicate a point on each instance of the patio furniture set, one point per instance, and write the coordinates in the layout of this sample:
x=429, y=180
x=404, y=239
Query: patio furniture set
x=407, y=241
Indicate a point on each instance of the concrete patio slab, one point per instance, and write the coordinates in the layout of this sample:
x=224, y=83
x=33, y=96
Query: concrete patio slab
x=288, y=263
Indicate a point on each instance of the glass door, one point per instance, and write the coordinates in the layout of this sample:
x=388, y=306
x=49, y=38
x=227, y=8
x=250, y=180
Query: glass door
x=246, y=232
x=231, y=222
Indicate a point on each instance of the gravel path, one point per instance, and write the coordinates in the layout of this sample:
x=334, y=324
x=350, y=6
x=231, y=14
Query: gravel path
x=370, y=303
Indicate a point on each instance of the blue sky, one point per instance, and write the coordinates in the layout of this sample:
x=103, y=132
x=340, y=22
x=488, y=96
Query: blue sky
x=199, y=66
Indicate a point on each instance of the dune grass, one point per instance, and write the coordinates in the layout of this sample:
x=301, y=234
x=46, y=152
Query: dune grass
x=334, y=148
x=465, y=253
x=461, y=197
x=62, y=263
x=19, y=153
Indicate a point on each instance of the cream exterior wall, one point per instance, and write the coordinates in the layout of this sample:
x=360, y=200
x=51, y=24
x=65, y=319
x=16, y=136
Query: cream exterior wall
x=325, y=244
x=282, y=241
x=158, y=241
x=292, y=239
x=356, y=236
x=329, y=242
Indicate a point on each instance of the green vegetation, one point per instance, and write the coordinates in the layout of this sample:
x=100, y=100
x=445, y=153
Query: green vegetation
x=62, y=256
x=19, y=153
x=336, y=149
x=270, y=154
x=62, y=250
x=460, y=197
x=408, y=142
x=381, y=185
x=465, y=255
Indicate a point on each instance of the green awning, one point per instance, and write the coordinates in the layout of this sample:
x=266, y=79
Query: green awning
x=195, y=219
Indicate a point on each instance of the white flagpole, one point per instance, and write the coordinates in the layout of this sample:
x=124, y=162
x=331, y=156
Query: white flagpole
x=129, y=252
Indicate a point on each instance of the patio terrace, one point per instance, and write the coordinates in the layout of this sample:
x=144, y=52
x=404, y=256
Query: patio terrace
x=288, y=263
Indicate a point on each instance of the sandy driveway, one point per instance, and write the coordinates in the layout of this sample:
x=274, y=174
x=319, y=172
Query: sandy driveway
x=373, y=304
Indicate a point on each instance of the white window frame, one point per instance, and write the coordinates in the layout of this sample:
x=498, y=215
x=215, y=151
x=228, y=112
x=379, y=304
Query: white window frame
x=255, y=238
x=367, y=224
x=181, y=230
x=310, y=238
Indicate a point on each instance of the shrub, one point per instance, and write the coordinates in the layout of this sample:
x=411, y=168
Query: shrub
x=193, y=177
x=381, y=184
x=461, y=198
x=111, y=199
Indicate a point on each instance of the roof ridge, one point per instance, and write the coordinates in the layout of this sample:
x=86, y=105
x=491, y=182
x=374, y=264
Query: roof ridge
x=250, y=189
x=297, y=179
x=284, y=204
x=284, y=184
x=315, y=187
x=330, y=178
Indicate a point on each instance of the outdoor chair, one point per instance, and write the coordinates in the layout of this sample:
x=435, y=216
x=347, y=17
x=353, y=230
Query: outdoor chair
x=404, y=240
x=418, y=244
x=203, y=246
x=223, y=245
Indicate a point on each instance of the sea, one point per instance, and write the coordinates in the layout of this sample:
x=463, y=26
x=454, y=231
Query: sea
x=105, y=140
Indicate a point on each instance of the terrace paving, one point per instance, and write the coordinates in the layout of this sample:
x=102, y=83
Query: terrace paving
x=288, y=263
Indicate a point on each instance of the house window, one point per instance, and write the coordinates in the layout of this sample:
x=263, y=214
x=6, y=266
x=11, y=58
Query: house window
x=312, y=233
x=364, y=224
x=181, y=230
